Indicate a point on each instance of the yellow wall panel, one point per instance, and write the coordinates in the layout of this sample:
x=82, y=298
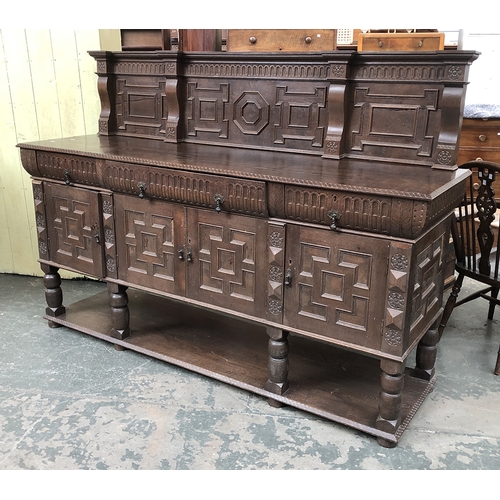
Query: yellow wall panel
x=15, y=181
x=48, y=89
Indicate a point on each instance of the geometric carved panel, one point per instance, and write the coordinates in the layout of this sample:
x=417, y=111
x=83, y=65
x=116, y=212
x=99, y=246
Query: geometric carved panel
x=148, y=240
x=206, y=112
x=150, y=245
x=140, y=107
x=334, y=285
x=228, y=264
x=74, y=228
x=429, y=269
x=333, y=291
x=299, y=115
x=394, y=121
x=227, y=261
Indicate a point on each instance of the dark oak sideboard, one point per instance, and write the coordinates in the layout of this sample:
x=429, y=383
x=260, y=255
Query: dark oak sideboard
x=274, y=221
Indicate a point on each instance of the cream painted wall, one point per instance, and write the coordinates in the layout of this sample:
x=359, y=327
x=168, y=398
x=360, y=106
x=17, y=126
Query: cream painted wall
x=48, y=89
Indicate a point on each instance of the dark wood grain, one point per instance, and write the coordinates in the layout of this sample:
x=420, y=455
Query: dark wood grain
x=335, y=384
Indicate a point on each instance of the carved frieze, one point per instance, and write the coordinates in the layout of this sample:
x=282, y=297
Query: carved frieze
x=240, y=195
x=79, y=169
x=256, y=70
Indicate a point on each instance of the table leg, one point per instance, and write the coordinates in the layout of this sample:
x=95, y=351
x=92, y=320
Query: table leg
x=53, y=293
x=120, y=316
x=390, y=398
x=426, y=353
x=277, y=382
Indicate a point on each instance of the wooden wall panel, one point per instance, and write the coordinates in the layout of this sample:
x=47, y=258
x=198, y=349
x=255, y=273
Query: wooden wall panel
x=48, y=89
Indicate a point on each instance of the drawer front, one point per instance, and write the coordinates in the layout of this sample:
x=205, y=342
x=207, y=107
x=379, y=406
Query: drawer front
x=224, y=194
x=471, y=154
x=69, y=168
x=299, y=40
x=480, y=133
x=380, y=42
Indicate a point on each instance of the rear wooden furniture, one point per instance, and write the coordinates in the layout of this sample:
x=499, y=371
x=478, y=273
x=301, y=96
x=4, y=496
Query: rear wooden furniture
x=480, y=140
x=280, y=219
x=475, y=232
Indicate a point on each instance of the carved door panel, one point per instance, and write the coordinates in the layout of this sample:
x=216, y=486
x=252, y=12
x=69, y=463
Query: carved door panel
x=150, y=238
x=74, y=230
x=229, y=261
x=336, y=285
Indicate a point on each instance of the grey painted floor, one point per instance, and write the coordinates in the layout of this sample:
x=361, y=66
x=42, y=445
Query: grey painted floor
x=72, y=402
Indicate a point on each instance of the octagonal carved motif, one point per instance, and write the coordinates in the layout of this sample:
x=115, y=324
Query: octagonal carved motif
x=251, y=113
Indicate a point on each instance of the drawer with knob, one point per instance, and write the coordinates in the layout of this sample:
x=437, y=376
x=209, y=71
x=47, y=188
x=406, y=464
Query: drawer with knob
x=295, y=40
x=479, y=133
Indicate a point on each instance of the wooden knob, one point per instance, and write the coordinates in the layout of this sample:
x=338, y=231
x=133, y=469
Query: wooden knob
x=252, y=40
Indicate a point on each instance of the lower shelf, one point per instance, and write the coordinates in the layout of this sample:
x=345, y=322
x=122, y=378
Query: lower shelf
x=335, y=384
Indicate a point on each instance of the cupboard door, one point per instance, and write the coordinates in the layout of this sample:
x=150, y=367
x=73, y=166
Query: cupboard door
x=337, y=285
x=229, y=263
x=75, y=239
x=149, y=238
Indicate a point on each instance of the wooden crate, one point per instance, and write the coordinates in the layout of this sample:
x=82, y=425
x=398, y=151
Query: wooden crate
x=389, y=42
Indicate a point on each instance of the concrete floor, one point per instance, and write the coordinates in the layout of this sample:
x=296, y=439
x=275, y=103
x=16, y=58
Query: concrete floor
x=70, y=402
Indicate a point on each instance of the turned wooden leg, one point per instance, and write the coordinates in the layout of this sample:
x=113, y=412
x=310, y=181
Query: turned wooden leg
x=277, y=382
x=390, y=398
x=491, y=310
x=426, y=353
x=120, y=316
x=450, y=303
x=53, y=293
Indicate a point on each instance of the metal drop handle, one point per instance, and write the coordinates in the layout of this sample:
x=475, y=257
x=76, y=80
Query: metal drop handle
x=67, y=177
x=219, y=201
x=142, y=189
x=334, y=215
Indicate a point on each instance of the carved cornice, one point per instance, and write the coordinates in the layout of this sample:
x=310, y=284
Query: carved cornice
x=257, y=70
x=248, y=174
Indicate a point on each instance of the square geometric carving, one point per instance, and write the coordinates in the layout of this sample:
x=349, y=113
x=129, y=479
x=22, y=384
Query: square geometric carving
x=395, y=121
x=334, y=285
x=299, y=115
x=206, y=112
x=227, y=261
x=149, y=241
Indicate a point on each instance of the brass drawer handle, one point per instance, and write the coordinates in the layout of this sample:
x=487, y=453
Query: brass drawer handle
x=482, y=137
x=475, y=186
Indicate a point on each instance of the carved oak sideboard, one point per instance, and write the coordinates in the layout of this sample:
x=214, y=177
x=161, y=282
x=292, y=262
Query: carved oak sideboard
x=274, y=221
